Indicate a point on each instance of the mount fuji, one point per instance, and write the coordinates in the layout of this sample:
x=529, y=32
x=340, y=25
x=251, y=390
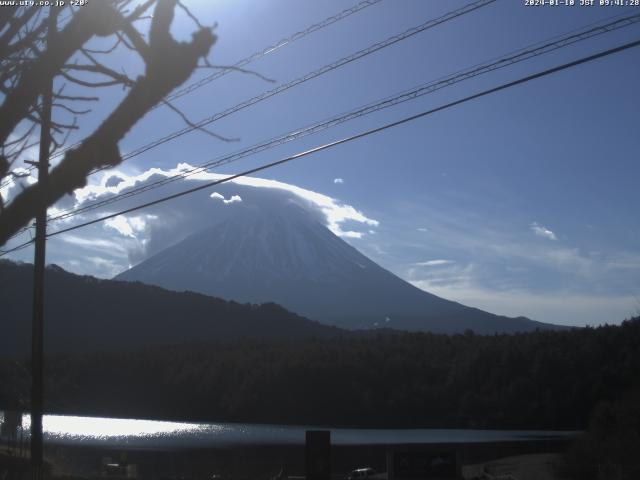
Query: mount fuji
x=287, y=256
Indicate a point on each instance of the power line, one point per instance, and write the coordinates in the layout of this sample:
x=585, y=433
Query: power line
x=335, y=143
x=526, y=53
x=314, y=74
x=257, y=55
x=305, y=78
x=247, y=60
x=266, y=51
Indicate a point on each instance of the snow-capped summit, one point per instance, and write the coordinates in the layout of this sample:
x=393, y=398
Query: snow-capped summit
x=286, y=255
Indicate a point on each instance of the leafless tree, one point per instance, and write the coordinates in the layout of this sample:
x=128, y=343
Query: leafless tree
x=28, y=62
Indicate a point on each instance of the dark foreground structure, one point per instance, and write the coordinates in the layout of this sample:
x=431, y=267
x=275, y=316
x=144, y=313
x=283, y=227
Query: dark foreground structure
x=257, y=461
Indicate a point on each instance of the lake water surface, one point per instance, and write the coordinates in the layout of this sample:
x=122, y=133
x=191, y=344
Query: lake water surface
x=155, y=434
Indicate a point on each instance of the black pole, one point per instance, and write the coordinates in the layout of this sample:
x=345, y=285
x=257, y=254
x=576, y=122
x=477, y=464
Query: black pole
x=38, y=272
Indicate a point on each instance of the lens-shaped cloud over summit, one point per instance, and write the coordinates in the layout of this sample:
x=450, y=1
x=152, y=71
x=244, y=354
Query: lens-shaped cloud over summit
x=110, y=247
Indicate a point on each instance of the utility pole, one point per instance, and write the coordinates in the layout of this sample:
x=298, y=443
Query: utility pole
x=38, y=270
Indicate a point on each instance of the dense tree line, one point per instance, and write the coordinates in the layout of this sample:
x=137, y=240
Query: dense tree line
x=532, y=380
x=610, y=448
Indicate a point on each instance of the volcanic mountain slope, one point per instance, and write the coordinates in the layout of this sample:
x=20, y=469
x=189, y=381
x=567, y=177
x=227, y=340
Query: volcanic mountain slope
x=286, y=256
x=84, y=314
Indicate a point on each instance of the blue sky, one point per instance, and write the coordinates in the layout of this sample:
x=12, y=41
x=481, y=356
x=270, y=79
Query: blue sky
x=520, y=203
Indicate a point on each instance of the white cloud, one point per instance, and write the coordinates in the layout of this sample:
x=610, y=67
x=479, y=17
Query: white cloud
x=10, y=182
x=55, y=211
x=433, y=263
x=351, y=234
x=233, y=199
x=127, y=239
x=128, y=226
x=335, y=212
x=20, y=171
x=121, y=225
x=422, y=229
x=338, y=180
x=543, y=231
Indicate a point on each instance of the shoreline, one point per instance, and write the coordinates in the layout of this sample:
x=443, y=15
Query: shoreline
x=105, y=432
x=267, y=461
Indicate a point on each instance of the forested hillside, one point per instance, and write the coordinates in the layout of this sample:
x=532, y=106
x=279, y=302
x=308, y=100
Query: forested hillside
x=87, y=314
x=532, y=380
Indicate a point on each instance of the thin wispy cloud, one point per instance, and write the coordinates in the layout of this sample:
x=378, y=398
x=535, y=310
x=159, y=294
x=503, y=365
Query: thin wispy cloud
x=542, y=231
x=451, y=274
x=111, y=246
x=625, y=261
x=338, y=180
x=434, y=263
x=509, y=260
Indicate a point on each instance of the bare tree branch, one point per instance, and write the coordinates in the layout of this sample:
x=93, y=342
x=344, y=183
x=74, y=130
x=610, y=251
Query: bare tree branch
x=69, y=109
x=236, y=69
x=101, y=69
x=15, y=24
x=75, y=98
x=94, y=19
x=168, y=64
x=190, y=15
x=89, y=84
x=195, y=126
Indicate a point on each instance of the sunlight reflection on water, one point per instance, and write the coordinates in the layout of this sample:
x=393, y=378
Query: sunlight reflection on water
x=62, y=425
x=153, y=433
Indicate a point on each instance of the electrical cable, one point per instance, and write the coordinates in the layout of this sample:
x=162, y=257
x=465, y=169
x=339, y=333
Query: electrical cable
x=245, y=61
x=335, y=143
x=509, y=59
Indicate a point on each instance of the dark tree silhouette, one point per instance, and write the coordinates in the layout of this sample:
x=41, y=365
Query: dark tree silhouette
x=26, y=69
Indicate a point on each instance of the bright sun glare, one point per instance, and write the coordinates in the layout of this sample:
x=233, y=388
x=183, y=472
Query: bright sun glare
x=60, y=425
